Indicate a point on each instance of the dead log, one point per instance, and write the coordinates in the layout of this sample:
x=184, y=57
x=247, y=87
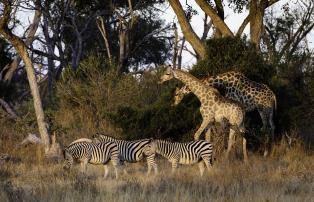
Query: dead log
x=55, y=149
x=8, y=109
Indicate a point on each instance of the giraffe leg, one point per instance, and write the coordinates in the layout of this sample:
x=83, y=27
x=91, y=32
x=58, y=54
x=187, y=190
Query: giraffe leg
x=231, y=141
x=244, y=150
x=264, y=118
x=225, y=127
x=272, y=128
x=201, y=129
x=209, y=132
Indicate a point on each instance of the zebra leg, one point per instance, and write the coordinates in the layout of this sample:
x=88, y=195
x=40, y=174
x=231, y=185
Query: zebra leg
x=68, y=161
x=84, y=165
x=201, y=167
x=151, y=164
x=174, y=166
x=208, y=162
x=116, y=171
x=116, y=163
x=106, y=167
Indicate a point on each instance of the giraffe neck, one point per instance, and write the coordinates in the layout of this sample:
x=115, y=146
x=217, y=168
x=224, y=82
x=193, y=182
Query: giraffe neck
x=195, y=85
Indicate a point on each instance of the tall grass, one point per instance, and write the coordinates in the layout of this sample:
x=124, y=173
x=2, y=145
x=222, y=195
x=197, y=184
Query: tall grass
x=286, y=176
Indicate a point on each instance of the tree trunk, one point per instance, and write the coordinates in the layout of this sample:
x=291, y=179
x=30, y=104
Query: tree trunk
x=124, y=48
x=256, y=13
x=187, y=30
x=21, y=49
x=28, y=41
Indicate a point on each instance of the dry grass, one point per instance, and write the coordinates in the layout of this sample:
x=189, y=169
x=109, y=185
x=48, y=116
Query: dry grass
x=286, y=176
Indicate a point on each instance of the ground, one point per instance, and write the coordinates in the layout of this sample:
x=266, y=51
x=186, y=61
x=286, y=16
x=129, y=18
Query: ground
x=287, y=175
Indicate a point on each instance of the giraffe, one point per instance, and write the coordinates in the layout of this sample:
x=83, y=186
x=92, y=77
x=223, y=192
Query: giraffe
x=214, y=107
x=250, y=94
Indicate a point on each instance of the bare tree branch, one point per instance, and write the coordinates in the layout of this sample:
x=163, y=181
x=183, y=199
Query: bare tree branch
x=243, y=25
x=186, y=28
x=217, y=21
x=30, y=35
x=102, y=29
x=175, y=46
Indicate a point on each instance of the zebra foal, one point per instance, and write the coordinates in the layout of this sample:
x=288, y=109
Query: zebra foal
x=199, y=151
x=132, y=151
x=86, y=151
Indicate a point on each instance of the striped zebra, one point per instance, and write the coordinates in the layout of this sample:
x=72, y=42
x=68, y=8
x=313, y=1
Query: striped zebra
x=199, y=151
x=86, y=151
x=132, y=151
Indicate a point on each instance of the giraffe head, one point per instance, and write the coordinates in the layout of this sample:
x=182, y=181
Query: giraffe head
x=180, y=93
x=167, y=75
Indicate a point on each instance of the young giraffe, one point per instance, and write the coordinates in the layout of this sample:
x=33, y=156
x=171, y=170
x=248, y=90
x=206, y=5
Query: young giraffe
x=250, y=94
x=214, y=107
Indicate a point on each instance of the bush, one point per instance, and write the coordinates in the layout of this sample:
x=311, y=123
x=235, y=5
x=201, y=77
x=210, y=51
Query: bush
x=94, y=98
x=233, y=53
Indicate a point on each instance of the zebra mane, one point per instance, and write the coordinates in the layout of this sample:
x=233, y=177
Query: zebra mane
x=164, y=141
x=81, y=140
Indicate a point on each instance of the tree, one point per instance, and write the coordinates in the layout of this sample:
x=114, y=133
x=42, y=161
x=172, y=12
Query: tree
x=255, y=19
x=21, y=49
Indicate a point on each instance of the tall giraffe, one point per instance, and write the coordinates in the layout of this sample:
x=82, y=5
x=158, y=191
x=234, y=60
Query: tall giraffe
x=250, y=94
x=214, y=107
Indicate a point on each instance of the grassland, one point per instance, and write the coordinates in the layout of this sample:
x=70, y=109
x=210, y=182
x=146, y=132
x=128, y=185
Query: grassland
x=286, y=176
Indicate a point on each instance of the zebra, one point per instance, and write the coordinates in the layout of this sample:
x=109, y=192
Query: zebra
x=132, y=151
x=86, y=151
x=185, y=153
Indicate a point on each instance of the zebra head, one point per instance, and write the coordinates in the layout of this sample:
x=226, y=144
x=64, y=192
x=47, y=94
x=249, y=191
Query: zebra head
x=100, y=137
x=68, y=159
x=150, y=148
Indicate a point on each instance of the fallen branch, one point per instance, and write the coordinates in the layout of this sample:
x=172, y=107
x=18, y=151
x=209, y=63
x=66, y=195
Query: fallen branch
x=30, y=139
x=8, y=109
x=55, y=150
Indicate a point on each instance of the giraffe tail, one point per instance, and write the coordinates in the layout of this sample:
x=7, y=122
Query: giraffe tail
x=275, y=102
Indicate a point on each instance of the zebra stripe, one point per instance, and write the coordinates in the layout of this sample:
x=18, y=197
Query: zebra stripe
x=85, y=151
x=132, y=151
x=199, y=151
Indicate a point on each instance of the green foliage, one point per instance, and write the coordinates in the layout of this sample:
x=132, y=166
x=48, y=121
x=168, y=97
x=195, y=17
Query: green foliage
x=6, y=90
x=232, y=53
x=147, y=43
x=5, y=56
x=94, y=98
